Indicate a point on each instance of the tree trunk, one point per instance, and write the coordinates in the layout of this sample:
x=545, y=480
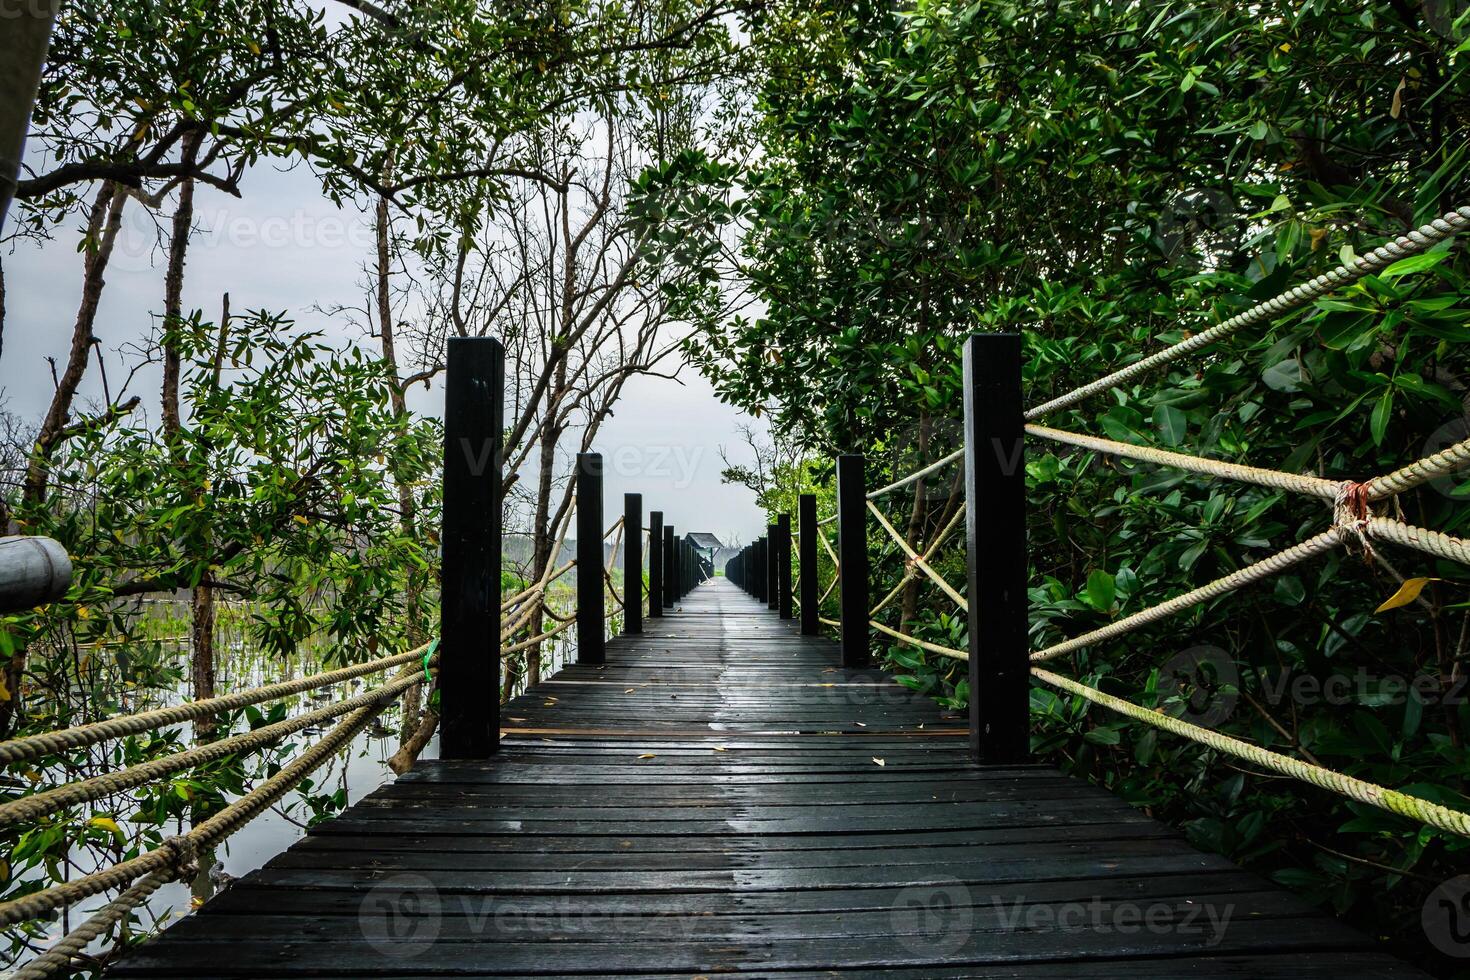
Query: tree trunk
x=102, y=227
x=103, y=222
x=541, y=533
x=173, y=293
x=408, y=519
x=23, y=46
x=202, y=673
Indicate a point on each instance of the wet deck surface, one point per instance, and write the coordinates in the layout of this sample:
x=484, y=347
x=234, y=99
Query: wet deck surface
x=721, y=797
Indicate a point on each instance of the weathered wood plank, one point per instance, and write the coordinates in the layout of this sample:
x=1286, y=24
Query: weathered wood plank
x=720, y=796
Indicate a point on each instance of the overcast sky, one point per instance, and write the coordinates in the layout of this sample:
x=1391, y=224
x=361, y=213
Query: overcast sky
x=283, y=247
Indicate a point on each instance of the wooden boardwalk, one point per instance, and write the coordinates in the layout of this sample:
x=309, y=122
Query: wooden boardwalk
x=720, y=797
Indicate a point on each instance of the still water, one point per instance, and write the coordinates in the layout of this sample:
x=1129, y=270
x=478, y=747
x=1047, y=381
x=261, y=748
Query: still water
x=354, y=773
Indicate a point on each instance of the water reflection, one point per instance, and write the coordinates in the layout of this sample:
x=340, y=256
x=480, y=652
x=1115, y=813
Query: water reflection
x=80, y=840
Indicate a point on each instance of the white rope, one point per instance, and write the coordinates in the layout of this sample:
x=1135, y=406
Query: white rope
x=1419, y=240
x=912, y=477
x=1276, y=479
x=1263, y=569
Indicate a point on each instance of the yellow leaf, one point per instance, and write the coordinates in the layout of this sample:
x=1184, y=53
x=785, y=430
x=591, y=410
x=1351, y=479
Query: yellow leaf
x=254, y=48
x=1396, y=107
x=105, y=823
x=1284, y=47
x=1406, y=594
x=648, y=755
x=4, y=691
x=720, y=748
x=299, y=519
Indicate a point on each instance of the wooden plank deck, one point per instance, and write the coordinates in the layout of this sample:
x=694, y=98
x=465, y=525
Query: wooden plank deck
x=720, y=797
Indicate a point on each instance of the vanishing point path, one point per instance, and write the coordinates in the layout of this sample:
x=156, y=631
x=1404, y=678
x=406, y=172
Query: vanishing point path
x=721, y=797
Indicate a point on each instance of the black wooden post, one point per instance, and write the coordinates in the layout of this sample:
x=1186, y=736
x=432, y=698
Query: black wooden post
x=760, y=569
x=655, y=563
x=995, y=544
x=591, y=612
x=852, y=557
x=783, y=565
x=633, y=563
x=469, y=604
x=671, y=567
x=773, y=555
x=806, y=514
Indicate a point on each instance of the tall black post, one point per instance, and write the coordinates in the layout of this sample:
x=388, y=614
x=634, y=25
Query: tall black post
x=760, y=568
x=995, y=545
x=633, y=563
x=469, y=604
x=591, y=611
x=671, y=570
x=852, y=558
x=676, y=577
x=783, y=565
x=655, y=563
x=806, y=514
x=773, y=552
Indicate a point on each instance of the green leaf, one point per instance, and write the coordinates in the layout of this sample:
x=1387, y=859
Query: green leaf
x=1382, y=413
x=1101, y=590
x=1171, y=423
x=1413, y=264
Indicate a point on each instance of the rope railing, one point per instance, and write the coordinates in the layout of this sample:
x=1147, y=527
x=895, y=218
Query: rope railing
x=1419, y=240
x=49, y=801
x=1353, y=524
x=917, y=560
x=1414, y=807
x=176, y=856
x=1275, y=479
x=1263, y=569
x=915, y=477
x=33, y=747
